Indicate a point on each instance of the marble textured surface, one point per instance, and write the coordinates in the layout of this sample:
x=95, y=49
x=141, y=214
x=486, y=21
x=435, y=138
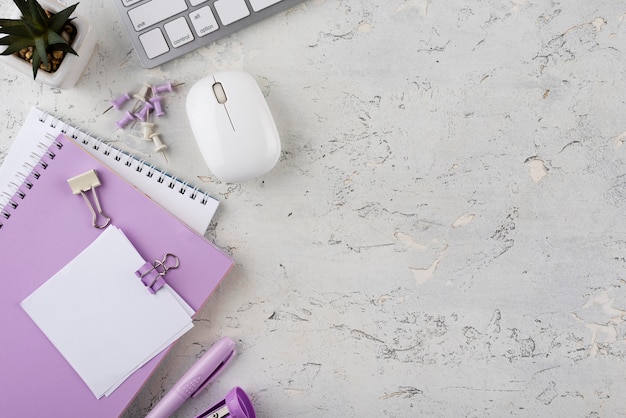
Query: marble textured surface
x=444, y=233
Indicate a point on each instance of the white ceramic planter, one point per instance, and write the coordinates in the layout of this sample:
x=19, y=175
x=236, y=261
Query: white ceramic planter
x=72, y=67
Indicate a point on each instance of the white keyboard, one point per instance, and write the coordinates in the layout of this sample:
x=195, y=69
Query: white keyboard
x=162, y=30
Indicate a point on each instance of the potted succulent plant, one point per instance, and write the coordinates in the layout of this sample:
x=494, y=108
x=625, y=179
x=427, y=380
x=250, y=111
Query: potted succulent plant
x=47, y=42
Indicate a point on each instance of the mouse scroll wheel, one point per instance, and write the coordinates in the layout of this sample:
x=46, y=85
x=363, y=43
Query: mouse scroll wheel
x=219, y=92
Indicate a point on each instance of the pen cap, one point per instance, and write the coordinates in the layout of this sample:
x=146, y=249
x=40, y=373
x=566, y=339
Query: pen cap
x=236, y=404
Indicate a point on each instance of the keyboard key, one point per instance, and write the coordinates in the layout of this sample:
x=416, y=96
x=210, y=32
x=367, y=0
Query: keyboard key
x=154, y=43
x=262, y=4
x=178, y=32
x=203, y=21
x=129, y=2
x=207, y=21
x=155, y=11
x=231, y=11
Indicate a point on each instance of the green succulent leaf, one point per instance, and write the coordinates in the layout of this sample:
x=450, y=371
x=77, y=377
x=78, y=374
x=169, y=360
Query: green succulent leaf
x=58, y=20
x=23, y=6
x=38, y=13
x=36, y=29
x=16, y=46
x=36, y=64
x=8, y=40
x=20, y=31
x=11, y=22
x=13, y=27
x=40, y=49
x=63, y=47
x=55, y=38
x=32, y=28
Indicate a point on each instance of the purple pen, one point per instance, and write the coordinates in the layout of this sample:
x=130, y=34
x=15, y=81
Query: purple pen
x=196, y=378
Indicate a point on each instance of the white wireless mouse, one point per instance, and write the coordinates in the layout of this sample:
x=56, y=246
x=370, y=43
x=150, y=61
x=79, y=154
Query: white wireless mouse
x=233, y=126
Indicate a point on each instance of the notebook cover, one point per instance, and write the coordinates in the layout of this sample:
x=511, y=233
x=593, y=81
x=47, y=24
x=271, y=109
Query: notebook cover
x=47, y=227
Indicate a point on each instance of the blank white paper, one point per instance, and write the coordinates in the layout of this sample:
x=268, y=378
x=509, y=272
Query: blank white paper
x=101, y=317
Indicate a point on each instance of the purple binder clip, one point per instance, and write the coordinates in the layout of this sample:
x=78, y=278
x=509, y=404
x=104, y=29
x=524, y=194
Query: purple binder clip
x=237, y=404
x=152, y=273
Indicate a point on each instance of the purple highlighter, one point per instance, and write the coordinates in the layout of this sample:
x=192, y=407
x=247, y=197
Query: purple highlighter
x=196, y=378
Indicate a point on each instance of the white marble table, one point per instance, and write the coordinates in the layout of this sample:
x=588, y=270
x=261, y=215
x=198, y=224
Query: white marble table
x=444, y=234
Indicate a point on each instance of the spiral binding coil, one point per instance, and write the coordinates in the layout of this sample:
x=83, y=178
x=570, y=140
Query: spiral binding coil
x=29, y=179
x=129, y=160
x=9, y=201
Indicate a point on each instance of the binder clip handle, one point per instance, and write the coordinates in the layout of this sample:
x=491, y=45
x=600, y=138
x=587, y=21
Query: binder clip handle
x=152, y=274
x=83, y=183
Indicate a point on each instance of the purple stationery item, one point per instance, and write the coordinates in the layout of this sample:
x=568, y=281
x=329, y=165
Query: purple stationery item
x=45, y=226
x=207, y=368
x=111, y=317
x=236, y=404
x=152, y=274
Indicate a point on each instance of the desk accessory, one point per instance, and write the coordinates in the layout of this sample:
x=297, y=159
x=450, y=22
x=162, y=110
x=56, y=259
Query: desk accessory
x=236, y=404
x=233, y=126
x=99, y=316
x=88, y=181
x=207, y=368
x=36, y=33
x=41, y=214
x=190, y=204
x=148, y=101
x=162, y=30
x=152, y=275
x=39, y=33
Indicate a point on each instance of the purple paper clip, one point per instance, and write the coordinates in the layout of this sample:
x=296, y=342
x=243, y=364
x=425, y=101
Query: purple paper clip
x=152, y=274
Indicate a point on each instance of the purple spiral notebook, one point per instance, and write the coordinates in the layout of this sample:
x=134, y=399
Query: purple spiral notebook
x=43, y=227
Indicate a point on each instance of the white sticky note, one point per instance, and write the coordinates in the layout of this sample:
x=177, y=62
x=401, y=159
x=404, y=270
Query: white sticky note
x=100, y=316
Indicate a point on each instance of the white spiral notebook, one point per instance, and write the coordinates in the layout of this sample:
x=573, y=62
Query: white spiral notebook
x=189, y=204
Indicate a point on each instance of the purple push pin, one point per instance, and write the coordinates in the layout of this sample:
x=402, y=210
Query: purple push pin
x=143, y=112
x=165, y=87
x=118, y=103
x=128, y=117
x=158, y=107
